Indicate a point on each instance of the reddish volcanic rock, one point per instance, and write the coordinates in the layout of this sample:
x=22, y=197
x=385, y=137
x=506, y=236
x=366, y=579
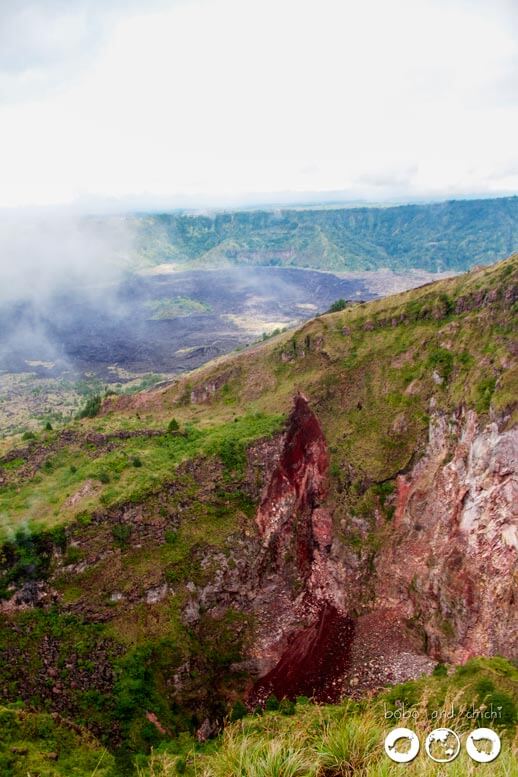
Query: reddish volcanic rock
x=452, y=559
x=313, y=663
x=299, y=482
x=446, y=565
x=298, y=486
x=302, y=633
x=332, y=619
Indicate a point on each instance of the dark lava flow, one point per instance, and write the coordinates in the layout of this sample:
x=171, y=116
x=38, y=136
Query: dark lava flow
x=82, y=332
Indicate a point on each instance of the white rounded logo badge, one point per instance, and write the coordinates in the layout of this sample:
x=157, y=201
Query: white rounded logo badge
x=442, y=745
x=401, y=745
x=483, y=745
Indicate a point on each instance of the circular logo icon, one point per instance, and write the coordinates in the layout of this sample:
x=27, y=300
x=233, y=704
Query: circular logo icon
x=401, y=745
x=483, y=745
x=442, y=745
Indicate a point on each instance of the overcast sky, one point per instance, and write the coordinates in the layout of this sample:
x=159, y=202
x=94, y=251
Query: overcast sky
x=152, y=101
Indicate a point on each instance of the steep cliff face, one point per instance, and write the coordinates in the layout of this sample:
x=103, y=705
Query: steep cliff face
x=443, y=580
x=451, y=562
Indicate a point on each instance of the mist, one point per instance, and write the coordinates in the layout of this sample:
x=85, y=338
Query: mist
x=44, y=254
x=55, y=266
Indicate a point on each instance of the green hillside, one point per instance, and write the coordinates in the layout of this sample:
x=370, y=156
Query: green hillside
x=47, y=745
x=436, y=237
x=110, y=523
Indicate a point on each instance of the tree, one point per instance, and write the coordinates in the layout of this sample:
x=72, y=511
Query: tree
x=340, y=304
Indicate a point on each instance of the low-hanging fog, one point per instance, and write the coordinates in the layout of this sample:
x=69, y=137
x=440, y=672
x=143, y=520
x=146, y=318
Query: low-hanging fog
x=53, y=266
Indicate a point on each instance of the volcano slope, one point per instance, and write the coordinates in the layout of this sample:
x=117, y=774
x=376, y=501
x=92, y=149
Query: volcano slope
x=330, y=513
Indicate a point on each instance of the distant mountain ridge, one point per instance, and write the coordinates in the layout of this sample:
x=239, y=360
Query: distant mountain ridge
x=453, y=235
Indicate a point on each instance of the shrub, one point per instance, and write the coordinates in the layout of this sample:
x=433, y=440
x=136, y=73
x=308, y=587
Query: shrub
x=92, y=407
x=405, y=693
x=173, y=425
x=471, y=667
x=287, y=707
x=232, y=454
x=484, y=686
x=484, y=393
x=73, y=555
x=121, y=533
x=238, y=711
x=442, y=360
x=340, y=304
x=136, y=461
x=335, y=470
x=27, y=556
x=447, y=304
x=506, y=705
x=272, y=703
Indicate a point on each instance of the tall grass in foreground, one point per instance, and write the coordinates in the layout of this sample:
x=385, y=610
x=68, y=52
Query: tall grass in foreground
x=326, y=742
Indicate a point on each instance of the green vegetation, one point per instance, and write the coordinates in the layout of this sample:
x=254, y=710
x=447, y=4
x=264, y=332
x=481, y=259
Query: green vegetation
x=148, y=381
x=445, y=236
x=287, y=738
x=273, y=333
x=27, y=556
x=92, y=407
x=347, y=739
x=441, y=360
x=127, y=473
x=40, y=744
x=128, y=514
x=175, y=307
x=337, y=306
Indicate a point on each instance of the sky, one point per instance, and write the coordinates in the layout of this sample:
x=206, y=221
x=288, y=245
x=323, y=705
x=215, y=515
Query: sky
x=126, y=103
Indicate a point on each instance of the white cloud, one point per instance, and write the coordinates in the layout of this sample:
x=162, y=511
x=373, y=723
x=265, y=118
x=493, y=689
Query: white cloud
x=221, y=97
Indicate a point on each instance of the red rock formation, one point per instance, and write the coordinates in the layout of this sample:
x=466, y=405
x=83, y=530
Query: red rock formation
x=444, y=580
x=305, y=636
x=452, y=559
x=299, y=483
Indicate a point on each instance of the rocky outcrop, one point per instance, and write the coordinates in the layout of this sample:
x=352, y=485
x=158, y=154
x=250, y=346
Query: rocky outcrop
x=297, y=488
x=446, y=565
x=303, y=634
x=451, y=559
x=204, y=392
